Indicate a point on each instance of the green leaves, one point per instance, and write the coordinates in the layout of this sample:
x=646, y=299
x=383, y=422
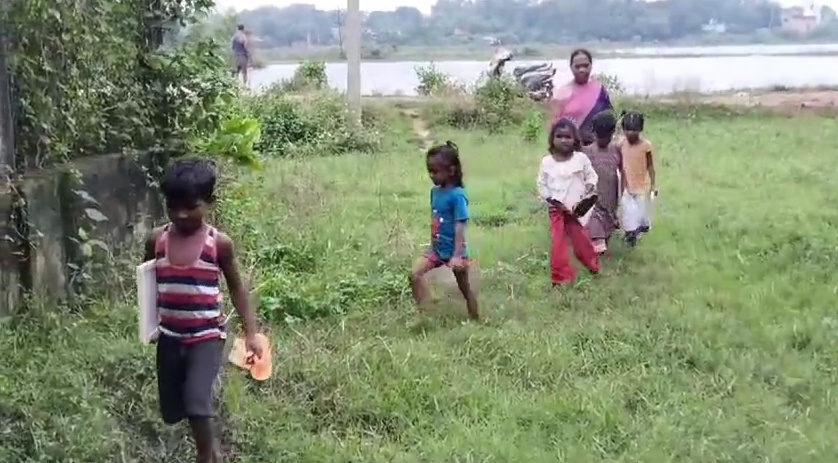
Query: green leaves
x=88, y=81
x=235, y=139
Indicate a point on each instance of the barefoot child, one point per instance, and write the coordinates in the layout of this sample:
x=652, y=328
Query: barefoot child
x=605, y=157
x=567, y=182
x=640, y=178
x=190, y=256
x=449, y=216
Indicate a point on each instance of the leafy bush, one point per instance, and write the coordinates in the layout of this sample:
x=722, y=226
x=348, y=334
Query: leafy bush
x=611, y=83
x=501, y=101
x=495, y=104
x=75, y=79
x=235, y=139
x=193, y=93
x=102, y=88
x=309, y=76
x=532, y=126
x=307, y=124
x=433, y=82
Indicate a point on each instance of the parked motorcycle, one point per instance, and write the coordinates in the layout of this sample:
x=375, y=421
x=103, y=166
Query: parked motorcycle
x=537, y=79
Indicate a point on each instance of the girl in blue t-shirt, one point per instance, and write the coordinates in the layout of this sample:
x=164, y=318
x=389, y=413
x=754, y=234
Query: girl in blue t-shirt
x=449, y=216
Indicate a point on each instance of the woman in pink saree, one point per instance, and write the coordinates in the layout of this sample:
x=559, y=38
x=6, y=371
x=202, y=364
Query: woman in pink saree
x=581, y=99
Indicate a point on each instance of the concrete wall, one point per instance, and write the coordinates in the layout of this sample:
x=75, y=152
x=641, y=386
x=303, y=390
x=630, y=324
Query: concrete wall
x=112, y=198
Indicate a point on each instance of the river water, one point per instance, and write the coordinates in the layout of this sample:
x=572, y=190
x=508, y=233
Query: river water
x=758, y=66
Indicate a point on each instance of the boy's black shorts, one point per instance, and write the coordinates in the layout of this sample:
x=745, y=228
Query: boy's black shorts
x=186, y=374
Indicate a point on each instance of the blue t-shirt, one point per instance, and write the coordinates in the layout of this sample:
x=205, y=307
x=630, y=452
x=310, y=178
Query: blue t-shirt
x=448, y=206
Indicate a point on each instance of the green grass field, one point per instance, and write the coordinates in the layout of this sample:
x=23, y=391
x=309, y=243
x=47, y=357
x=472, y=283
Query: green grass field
x=713, y=341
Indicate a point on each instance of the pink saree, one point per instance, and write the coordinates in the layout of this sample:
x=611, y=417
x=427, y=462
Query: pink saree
x=580, y=103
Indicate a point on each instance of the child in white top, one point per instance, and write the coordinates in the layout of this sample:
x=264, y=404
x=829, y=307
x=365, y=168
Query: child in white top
x=567, y=182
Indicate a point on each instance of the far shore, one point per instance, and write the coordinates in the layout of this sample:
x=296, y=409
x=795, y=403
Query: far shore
x=267, y=57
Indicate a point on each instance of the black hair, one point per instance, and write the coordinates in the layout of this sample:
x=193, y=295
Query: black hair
x=581, y=51
x=450, y=154
x=632, y=120
x=189, y=180
x=564, y=123
x=240, y=27
x=604, y=124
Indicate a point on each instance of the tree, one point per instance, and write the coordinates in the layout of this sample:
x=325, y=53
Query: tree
x=519, y=21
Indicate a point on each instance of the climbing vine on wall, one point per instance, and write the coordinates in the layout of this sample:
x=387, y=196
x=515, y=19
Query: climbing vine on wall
x=88, y=78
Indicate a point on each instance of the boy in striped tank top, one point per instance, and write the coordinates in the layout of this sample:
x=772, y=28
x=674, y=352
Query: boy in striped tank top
x=190, y=257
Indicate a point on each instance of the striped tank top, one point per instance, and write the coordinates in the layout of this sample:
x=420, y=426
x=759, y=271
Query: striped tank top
x=189, y=297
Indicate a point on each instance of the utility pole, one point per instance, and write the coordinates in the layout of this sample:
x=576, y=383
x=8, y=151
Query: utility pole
x=353, y=63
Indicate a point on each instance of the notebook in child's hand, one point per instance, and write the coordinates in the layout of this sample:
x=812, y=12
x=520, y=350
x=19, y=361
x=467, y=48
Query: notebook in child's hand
x=147, y=301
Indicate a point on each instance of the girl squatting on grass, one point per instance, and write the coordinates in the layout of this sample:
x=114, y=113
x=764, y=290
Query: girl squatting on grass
x=190, y=256
x=449, y=217
x=567, y=182
x=640, y=179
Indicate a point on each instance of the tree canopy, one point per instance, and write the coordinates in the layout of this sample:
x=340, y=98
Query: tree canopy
x=521, y=21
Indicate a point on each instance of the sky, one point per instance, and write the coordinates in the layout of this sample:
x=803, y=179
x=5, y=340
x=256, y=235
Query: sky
x=389, y=5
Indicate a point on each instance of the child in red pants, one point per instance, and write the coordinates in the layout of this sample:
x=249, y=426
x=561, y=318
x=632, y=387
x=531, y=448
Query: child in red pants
x=567, y=182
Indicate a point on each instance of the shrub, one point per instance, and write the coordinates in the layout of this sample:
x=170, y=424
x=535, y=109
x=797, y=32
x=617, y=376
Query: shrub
x=497, y=103
x=309, y=76
x=193, y=94
x=433, y=82
x=235, y=139
x=501, y=101
x=307, y=124
x=532, y=126
x=611, y=83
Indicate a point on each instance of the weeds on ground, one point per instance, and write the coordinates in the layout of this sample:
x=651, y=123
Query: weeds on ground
x=298, y=271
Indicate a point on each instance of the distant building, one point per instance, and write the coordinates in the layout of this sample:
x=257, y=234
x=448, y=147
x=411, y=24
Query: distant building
x=800, y=21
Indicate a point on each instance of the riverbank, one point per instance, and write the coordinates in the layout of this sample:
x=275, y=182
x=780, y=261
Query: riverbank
x=714, y=340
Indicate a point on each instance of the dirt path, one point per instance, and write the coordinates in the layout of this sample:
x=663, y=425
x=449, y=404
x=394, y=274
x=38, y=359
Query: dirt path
x=420, y=129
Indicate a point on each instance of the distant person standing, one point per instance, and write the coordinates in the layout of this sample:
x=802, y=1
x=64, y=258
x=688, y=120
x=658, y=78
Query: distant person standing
x=241, y=53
